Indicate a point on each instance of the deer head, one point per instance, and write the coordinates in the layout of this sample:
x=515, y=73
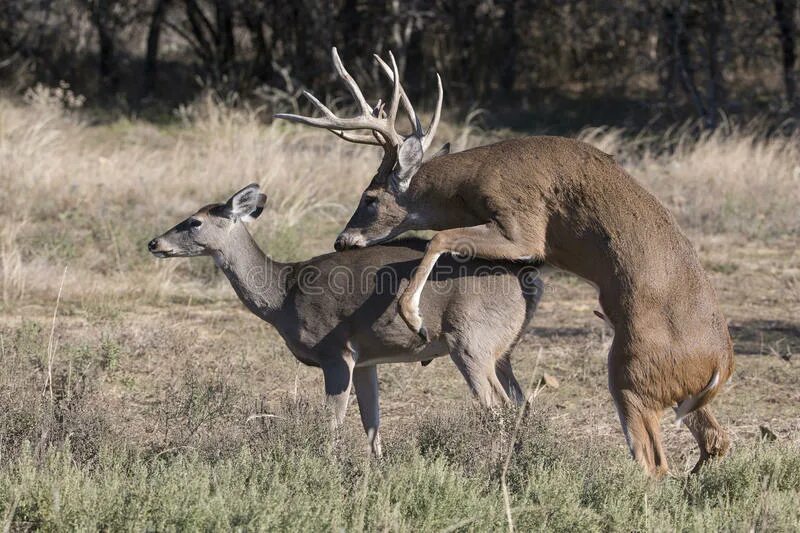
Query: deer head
x=384, y=210
x=208, y=230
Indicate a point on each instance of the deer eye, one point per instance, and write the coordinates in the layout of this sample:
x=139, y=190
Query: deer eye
x=370, y=201
x=193, y=223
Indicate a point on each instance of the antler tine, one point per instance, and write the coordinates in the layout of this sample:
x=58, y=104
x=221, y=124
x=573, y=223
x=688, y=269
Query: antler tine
x=333, y=123
x=352, y=86
x=377, y=111
x=412, y=115
x=396, y=87
x=382, y=126
x=437, y=114
x=375, y=139
x=319, y=105
x=357, y=138
x=331, y=120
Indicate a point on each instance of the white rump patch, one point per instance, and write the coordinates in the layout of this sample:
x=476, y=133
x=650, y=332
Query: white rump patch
x=690, y=404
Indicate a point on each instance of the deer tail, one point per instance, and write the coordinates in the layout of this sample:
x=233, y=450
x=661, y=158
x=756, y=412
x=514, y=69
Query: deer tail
x=696, y=400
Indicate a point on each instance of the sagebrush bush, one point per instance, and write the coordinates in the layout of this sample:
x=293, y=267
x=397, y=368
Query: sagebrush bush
x=292, y=473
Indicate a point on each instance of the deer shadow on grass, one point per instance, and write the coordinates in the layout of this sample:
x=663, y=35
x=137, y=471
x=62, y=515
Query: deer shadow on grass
x=750, y=337
x=766, y=337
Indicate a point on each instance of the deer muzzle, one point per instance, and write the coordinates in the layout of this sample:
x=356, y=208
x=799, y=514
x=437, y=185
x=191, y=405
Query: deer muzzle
x=347, y=241
x=156, y=248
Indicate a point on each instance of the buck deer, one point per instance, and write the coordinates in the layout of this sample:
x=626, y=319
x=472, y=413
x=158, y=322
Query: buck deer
x=566, y=203
x=339, y=311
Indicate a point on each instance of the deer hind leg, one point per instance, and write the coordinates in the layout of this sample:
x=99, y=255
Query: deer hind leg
x=481, y=377
x=486, y=241
x=505, y=375
x=338, y=377
x=642, y=429
x=365, y=381
x=712, y=439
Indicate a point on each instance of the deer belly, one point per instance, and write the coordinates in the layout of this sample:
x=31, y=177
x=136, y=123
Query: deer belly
x=378, y=356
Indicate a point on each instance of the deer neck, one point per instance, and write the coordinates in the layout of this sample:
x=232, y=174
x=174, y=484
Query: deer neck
x=260, y=282
x=433, y=187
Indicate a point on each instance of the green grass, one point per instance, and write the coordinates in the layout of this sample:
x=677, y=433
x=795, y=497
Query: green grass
x=264, y=487
x=289, y=473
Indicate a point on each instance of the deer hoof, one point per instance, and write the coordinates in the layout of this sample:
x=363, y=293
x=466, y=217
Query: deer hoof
x=423, y=334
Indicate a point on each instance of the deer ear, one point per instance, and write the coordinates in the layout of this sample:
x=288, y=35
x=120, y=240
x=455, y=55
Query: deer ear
x=444, y=150
x=246, y=204
x=409, y=158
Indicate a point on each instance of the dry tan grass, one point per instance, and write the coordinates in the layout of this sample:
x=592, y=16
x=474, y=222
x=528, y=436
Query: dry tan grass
x=132, y=173
x=733, y=180
x=90, y=196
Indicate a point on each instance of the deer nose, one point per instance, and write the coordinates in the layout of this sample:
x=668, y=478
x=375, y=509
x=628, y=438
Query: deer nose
x=346, y=241
x=152, y=245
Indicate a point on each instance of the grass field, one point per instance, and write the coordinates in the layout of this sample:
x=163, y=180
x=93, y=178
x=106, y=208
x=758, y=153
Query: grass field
x=151, y=399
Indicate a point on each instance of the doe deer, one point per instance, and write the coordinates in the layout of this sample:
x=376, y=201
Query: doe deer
x=572, y=206
x=339, y=311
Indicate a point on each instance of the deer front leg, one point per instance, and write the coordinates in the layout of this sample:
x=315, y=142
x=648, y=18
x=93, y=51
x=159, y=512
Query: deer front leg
x=486, y=241
x=338, y=375
x=365, y=380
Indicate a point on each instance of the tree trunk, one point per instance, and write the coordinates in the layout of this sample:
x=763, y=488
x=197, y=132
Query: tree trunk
x=669, y=64
x=508, y=75
x=226, y=43
x=683, y=57
x=715, y=22
x=100, y=15
x=262, y=63
x=107, y=66
x=153, y=38
x=784, y=16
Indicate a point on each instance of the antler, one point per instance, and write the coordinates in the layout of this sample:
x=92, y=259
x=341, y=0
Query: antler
x=377, y=119
x=427, y=138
